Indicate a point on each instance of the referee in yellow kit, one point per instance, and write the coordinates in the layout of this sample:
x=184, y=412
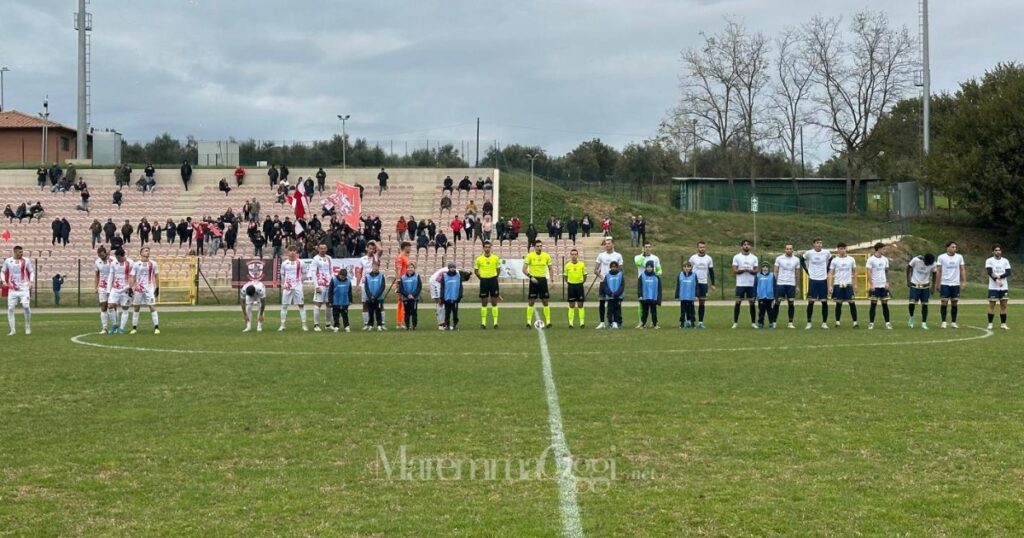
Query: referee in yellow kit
x=536, y=266
x=575, y=273
x=486, y=268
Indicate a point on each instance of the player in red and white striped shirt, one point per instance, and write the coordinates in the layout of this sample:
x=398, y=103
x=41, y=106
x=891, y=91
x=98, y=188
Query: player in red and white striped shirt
x=119, y=292
x=322, y=271
x=291, y=288
x=17, y=275
x=145, y=284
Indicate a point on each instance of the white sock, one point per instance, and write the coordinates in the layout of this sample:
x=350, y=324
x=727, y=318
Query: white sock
x=112, y=317
x=316, y=315
x=439, y=313
x=366, y=318
x=124, y=318
x=135, y=318
x=155, y=316
x=284, y=313
x=302, y=314
x=10, y=317
x=248, y=314
x=28, y=318
x=103, y=320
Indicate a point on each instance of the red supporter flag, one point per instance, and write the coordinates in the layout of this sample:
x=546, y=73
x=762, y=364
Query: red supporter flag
x=346, y=202
x=298, y=202
x=6, y=236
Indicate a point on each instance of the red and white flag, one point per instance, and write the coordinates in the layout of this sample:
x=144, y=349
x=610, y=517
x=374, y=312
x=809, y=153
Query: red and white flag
x=346, y=203
x=6, y=236
x=298, y=203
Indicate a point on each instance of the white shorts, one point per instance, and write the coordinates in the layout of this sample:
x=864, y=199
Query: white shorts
x=320, y=295
x=103, y=296
x=15, y=297
x=435, y=290
x=144, y=298
x=292, y=296
x=118, y=298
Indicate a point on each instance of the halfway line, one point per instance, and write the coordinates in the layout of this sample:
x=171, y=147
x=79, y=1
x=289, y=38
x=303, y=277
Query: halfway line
x=571, y=525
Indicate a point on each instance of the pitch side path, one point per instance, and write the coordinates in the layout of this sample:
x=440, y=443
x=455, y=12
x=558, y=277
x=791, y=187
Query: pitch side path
x=204, y=430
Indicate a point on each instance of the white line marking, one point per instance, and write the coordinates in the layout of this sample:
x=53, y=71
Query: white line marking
x=80, y=341
x=571, y=525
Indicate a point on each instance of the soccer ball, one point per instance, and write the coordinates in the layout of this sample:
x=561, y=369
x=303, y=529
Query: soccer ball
x=539, y=324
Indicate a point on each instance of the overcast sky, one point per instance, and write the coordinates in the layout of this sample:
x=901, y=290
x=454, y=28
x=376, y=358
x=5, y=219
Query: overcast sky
x=551, y=73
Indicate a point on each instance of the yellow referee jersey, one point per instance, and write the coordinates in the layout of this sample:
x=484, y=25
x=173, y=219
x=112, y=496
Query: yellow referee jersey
x=487, y=266
x=537, y=264
x=575, y=272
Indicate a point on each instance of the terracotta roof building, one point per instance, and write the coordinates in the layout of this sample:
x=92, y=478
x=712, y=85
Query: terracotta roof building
x=21, y=139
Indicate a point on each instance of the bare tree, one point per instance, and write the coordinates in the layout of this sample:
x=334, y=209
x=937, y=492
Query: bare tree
x=749, y=53
x=794, y=76
x=859, y=78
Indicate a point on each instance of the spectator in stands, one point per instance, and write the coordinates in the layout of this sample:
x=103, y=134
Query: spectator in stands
x=223, y=186
x=465, y=184
x=61, y=185
x=421, y=243
x=284, y=173
x=440, y=242
x=216, y=235
x=150, y=172
x=586, y=225
x=9, y=213
x=172, y=231
x=71, y=173
x=488, y=184
x=186, y=173
x=479, y=183
x=277, y=239
x=309, y=187
x=55, y=229
x=109, y=229
x=360, y=187
x=431, y=229
x=268, y=227
x=157, y=231
x=411, y=228
x=41, y=175
x=282, y=193
x=606, y=226
x=117, y=242
x=85, y=200
x=79, y=185
x=239, y=176
x=127, y=230
x=288, y=227
x=448, y=185
x=531, y=234
x=95, y=228
x=471, y=207
x=246, y=210
x=118, y=197
x=456, y=226
x=499, y=230
x=144, y=230
x=185, y=232
x=488, y=208
x=199, y=233
x=321, y=179
x=572, y=226
x=58, y=283
x=141, y=184
x=35, y=211
x=258, y=242
x=516, y=226
x=641, y=227
x=65, y=230
x=400, y=228
x=55, y=174
x=382, y=181
x=273, y=175
x=230, y=237
x=254, y=210
x=446, y=203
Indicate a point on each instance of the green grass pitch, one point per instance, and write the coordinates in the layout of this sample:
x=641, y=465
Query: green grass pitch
x=673, y=433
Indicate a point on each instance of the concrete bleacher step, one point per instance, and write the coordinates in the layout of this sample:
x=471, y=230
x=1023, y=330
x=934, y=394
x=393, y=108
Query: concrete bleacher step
x=185, y=205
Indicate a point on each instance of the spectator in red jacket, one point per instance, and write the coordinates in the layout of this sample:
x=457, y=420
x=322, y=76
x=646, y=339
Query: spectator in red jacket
x=456, y=225
x=239, y=175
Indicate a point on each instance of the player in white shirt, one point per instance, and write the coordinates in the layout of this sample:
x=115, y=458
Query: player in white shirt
x=787, y=268
x=604, y=261
x=951, y=272
x=842, y=279
x=119, y=291
x=18, y=273
x=816, y=266
x=366, y=262
x=291, y=288
x=704, y=267
x=921, y=281
x=435, y=293
x=322, y=271
x=878, y=277
x=253, y=293
x=745, y=266
x=145, y=284
x=101, y=283
x=998, y=269
x=640, y=260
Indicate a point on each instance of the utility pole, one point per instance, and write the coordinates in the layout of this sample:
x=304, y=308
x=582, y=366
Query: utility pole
x=477, y=165
x=3, y=70
x=83, y=23
x=344, y=141
x=45, y=115
x=926, y=98
x=532, y=157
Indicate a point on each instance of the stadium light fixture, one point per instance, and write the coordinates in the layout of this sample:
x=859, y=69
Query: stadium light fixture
x=344, y=140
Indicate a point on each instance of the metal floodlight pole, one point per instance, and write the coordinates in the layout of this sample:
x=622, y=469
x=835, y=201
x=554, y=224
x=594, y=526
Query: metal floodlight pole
x=3, y=70
x=344, y=141
x=45, y=115
x=532, y=158
x=926, y=83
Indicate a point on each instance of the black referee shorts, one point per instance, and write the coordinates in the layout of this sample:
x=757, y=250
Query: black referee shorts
x=489, y=287
x=539, y=289
x=575, y=293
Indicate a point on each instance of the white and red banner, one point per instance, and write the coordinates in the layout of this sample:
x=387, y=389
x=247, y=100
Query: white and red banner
x=346, y=203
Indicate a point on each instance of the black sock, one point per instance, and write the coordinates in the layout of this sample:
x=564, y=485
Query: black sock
x=753, y=313
x=953, y=312
x=700, y=312
x=736, y=313
x=871, y=312
x=839, y=311
x=924, y=313
x=911, y=307
x=853, y=312
x=600, y=310
x=885, y=311
x=792, y=311
x=942, y=312
x=824, y=312
x=810, y=311
x=1002, y=318
x=991, y=318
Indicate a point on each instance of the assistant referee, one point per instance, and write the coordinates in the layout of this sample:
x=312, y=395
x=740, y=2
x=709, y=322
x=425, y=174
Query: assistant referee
x=536, y=266
x=486, y=269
